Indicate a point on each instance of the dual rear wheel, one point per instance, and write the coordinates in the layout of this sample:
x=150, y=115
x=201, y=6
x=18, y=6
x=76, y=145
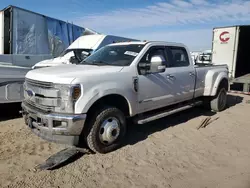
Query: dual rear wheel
x=219, y=102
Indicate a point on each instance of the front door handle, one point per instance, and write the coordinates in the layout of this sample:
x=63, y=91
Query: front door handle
x=169, y=76
x=191, y=74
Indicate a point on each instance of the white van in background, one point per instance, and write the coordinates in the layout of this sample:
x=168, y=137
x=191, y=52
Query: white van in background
x=81, y=48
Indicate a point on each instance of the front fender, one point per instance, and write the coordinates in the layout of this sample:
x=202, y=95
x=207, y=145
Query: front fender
x=90, y=96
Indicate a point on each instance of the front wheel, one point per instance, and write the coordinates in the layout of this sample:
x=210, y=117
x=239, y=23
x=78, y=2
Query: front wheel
x=219, y=103
x=107, y=129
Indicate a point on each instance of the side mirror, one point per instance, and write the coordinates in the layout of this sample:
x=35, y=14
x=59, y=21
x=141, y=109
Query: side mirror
x=157, y=65
x=71, y=59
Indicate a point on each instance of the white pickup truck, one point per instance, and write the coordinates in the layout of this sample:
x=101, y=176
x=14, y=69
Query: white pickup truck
x=91, y=102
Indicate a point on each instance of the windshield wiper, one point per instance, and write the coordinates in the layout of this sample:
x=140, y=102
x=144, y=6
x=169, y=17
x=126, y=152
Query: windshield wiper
x=84, y=63
x=100, y=63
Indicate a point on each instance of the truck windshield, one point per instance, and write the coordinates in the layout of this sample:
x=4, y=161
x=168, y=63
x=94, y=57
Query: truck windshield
x=78, y=50
x=117, y=55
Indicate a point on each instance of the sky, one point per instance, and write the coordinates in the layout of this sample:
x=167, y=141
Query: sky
x=187, y=21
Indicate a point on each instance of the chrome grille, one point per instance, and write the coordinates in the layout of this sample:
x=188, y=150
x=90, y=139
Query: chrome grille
x=39, y=83
x=40, y=107
x=45, y=96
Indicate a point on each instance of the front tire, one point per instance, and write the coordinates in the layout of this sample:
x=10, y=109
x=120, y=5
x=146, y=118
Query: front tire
x=107, y=129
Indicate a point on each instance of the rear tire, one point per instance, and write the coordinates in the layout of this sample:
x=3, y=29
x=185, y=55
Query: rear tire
x=219, y=102
x=106, y=130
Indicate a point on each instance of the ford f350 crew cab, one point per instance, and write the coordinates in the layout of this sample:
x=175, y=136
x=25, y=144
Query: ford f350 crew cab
x=90, y=102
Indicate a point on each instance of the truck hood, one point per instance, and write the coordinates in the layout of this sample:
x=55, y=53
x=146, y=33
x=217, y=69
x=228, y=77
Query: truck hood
x=65, y=74
x=52, y=62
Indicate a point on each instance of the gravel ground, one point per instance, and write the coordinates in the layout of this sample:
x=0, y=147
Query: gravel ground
x=170, y=152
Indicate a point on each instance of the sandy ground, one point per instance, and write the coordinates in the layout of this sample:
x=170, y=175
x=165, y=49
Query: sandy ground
x=167, y=153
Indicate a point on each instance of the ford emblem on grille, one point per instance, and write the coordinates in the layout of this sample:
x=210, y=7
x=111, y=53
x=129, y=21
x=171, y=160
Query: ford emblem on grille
x=30, y=93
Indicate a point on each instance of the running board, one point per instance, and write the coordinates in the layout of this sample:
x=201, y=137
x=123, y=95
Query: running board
x=155, y=116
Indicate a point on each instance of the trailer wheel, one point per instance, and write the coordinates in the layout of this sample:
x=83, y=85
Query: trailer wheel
x=106, y=130
x=219, y=102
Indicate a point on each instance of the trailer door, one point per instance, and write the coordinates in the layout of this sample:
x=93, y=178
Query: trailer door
x=225, y=42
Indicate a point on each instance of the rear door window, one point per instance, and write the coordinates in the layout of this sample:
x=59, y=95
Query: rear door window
x=178, y=56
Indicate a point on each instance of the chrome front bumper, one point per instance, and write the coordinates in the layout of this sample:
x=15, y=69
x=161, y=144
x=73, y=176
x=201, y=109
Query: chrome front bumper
x=59, y=128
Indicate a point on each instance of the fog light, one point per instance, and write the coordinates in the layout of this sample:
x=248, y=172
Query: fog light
x=64, y=124
x=60, y=124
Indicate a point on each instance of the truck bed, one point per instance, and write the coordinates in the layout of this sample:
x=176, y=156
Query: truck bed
x=208, y=65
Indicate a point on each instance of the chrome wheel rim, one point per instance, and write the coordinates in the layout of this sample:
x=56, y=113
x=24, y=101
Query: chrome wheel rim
x=109, y=130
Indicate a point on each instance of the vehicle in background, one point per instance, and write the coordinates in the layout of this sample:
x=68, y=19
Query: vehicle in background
x=231, y=46
x=204, y=57
x=11, y=83
x=23, y=32
x=90, y=102
x=12, y=73
x=26, y=38
x=194, y=55
x=81, y=48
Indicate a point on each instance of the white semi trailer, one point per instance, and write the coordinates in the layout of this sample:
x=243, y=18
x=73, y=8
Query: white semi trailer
x=27, y=38
x=231, y=46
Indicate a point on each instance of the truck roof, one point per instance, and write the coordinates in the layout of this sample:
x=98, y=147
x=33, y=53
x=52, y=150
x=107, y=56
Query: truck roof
x=147, y=42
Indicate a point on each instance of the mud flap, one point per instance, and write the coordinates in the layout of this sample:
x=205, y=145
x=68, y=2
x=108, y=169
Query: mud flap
x=59, y=159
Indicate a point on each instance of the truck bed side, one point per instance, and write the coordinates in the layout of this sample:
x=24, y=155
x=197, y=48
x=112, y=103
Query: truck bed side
x=208, y=78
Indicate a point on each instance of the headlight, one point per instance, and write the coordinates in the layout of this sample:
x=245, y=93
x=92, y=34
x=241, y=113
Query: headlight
x=69, y=94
